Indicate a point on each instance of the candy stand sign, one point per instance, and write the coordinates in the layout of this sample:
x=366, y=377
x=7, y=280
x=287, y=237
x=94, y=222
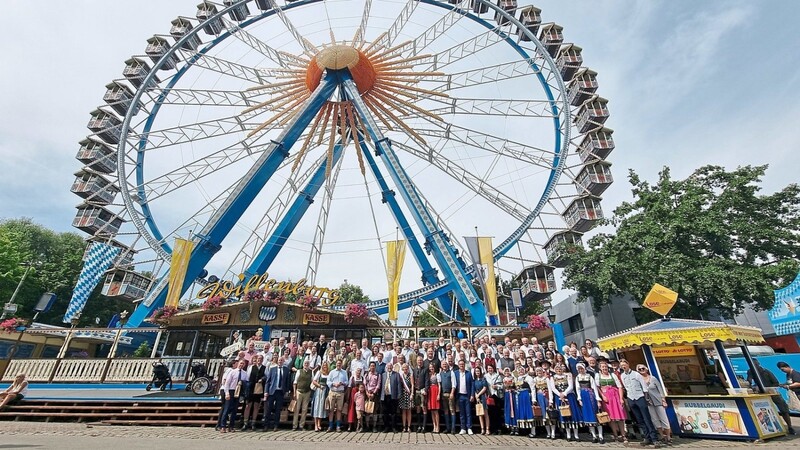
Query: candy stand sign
x=711, y=417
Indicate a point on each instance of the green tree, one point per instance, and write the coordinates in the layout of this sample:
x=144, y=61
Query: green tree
x=431, y=316
x=351, y=293
x=56, y=259
x=711, y=237
x=143, y=351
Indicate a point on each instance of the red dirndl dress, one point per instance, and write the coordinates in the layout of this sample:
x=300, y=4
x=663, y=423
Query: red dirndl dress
x=351, y=406
x=433, y=397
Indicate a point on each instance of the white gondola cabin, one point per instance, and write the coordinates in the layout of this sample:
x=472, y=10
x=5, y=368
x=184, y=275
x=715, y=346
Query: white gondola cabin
x=125, y=285
x=537, y=282
x=560, y=246
x=552, y=36
x=119, y=97
x=93, y=188
x=592, y=114
x=157, y=47
x=478, y=7
x=206, y=10
x=582, y=87
x=105, y=125
x=180, y=27
x=238, y=12
x=508, y=6
x=594, y=178
x=596, y=145
x=531, y=18
x=136, y=71
x=569, y=60
x=583, y=213
x=96, y=220
x=97, y=156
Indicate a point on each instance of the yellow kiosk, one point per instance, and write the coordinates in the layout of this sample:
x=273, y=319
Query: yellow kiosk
x=700, y=405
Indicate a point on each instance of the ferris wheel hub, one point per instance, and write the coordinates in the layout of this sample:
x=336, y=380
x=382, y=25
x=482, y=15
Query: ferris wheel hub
x=340, y=57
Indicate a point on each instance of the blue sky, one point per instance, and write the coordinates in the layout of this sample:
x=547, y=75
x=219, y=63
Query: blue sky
x=689, y=83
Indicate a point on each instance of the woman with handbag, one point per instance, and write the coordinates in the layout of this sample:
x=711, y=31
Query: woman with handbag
x=510, y=401
x=590, y=402
x=320, y=387
x=495, y=382
x=481, y=393
x=657, y=403
x=542, y=402
x=613, y=402
x=564, y=400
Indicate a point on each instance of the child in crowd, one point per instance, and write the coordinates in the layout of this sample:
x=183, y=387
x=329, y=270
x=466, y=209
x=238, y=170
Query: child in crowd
x=360, y=400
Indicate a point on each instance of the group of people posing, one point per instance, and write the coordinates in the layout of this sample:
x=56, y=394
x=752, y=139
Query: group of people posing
x=522, y=386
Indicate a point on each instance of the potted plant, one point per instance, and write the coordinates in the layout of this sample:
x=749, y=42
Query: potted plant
x=308, y=302
x=255, y=295
x=162, y=315
x=13, y=324
x=213, y=303
x=538, y=323
x=274, y=297
x=355, y=311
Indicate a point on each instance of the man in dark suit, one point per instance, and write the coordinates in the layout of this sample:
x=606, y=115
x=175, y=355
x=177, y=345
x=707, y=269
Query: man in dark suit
x=278, y=380
x=390, y=393
x=464, y=389
x=255, y=391
x=322, y=346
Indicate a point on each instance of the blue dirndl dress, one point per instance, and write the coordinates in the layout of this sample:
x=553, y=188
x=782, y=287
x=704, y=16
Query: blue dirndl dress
x=524, y=407
x=542, y=397
x=588, y=405
x=510, y=404
x=562, y=384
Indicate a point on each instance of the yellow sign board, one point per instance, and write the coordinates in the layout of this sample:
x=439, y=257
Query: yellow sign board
x=660, y=299
x=316, y=318
x=679, y=350
x=227, y=289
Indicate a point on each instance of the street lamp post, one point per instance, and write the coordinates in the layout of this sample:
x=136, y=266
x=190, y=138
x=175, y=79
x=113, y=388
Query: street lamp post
x=123, y=318
x=11, y=307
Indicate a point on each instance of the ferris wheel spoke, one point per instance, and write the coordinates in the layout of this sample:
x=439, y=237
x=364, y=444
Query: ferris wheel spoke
x=482, y=141
x=280, y=58
x=386, y=39
x=359, y=36
x=235, y=70
x=308, y=48
x=322, y=223
x=414, y=47
x=469, y=180
x=484, y=75
x=202, y=97
x=458, y=52
x=494, y=107
x=266, y=225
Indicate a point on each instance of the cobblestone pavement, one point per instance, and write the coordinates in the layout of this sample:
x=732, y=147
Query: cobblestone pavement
x=37, y=435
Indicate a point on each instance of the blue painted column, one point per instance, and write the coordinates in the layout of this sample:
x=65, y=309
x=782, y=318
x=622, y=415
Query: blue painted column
x=727, y=367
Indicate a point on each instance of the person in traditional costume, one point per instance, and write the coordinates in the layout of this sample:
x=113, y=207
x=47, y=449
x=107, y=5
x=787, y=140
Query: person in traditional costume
x=562, y=391
x=590, y=402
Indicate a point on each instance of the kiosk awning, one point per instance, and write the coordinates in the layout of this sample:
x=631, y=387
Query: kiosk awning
x=679, y=331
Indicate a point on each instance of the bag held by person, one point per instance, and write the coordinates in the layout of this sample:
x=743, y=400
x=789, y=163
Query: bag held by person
x=794, y=401
x=238, y=392
x=369, y=407
x=292, y=406
x=602, y=418
x=258, y=389
x=490, y=401
x=565, y=411
x=552, y=414
x=479, y=409
x=537, y=411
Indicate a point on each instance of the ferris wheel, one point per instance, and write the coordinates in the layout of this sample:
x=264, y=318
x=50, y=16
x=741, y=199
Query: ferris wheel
x=296, y=138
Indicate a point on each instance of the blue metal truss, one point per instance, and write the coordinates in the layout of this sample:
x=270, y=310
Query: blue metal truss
x=209, y=240
x=436, y=241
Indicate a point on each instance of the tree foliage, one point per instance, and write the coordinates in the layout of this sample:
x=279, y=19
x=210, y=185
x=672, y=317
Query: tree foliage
x=56, y=259
x=431, y=316
x=711, y=237
x=352, y=293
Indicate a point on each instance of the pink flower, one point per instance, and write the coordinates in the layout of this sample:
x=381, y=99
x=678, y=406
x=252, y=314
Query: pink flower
x=355, y=311
x=537, y=322
x=213, y=303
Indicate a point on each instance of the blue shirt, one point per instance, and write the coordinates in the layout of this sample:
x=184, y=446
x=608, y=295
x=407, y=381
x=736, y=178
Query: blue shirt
x=337, y=376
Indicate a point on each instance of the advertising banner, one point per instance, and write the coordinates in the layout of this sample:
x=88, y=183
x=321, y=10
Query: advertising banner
x=709, y=417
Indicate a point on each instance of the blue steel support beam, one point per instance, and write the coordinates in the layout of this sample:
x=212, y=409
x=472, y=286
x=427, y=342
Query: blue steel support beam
x=209, y=240
x=436, y=240
x=291, y=219
x=429, y=273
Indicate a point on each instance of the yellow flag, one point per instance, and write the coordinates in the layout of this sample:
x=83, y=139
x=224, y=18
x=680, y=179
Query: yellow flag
x=487, y=260
x=660, y=299
x=395, y=255
x=181, y=253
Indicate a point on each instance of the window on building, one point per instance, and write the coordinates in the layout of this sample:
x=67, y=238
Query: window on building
x=574, y=324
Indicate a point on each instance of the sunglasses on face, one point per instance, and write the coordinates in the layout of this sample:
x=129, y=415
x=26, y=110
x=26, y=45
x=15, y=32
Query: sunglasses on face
x=640, y=369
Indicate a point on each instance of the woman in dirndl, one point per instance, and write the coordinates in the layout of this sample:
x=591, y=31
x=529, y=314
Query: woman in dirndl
x=590, y=402
x=611, y=394
x=540, y=389
x=510, y=403
x=563, y=394
x=524, y=406
x=355, y=379
x=434, y=396
x=320, y=386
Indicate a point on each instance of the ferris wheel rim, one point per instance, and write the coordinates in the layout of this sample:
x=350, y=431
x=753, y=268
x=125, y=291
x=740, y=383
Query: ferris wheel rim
x=561, y=130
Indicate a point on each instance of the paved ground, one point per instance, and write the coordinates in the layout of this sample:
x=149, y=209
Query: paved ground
x=65, y=436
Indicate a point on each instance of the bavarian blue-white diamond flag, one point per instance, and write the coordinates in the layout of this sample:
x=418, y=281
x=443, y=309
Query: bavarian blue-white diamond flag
x=100, y=256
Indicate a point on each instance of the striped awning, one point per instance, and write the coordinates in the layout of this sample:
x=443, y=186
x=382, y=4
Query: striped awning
x=680, y=331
